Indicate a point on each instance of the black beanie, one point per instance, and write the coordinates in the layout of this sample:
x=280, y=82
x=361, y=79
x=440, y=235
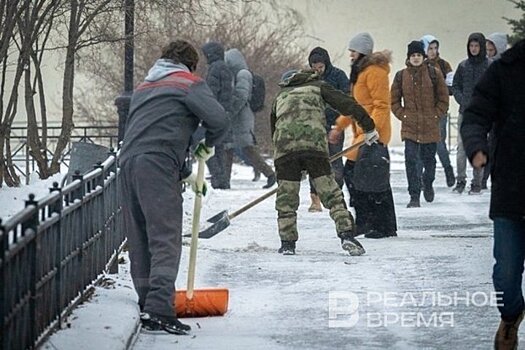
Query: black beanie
x=416, y=47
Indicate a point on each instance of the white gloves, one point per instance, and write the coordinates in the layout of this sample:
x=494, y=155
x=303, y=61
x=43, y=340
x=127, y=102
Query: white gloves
x=371, y=137
x=203, y=152
x=192, y=181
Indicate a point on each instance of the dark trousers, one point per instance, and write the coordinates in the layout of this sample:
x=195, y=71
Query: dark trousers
x=337, y=165
x=442, y=150
x=373, y=211
x=426, y=153
x=150, y=194
x=216, y=166
x=509, y=252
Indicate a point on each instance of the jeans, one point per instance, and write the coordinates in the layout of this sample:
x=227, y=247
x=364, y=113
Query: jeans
x=442, y=150
x=461, y=160
x=509, y=252
x=426, y=152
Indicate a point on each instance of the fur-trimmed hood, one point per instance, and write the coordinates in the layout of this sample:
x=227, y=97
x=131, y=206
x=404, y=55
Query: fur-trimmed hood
x=378, y=58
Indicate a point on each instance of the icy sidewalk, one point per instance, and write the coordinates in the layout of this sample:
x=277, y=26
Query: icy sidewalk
x=423, y=289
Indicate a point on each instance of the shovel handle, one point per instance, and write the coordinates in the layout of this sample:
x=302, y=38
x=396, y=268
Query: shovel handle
x=272, y=192
x=195, y=230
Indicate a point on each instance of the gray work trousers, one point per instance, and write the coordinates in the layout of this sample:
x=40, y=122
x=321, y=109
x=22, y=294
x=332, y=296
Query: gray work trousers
x=151, y=200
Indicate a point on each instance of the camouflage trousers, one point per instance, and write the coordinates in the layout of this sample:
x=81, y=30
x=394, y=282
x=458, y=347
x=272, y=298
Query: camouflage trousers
x=287, y=201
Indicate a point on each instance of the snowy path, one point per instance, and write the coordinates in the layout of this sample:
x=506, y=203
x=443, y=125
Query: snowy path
x=281, y=302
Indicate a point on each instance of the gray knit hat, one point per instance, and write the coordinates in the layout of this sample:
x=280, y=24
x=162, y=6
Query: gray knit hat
x=362, y=43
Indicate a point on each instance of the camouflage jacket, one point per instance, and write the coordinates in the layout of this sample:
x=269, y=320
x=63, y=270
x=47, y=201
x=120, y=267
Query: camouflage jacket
x=298, y=118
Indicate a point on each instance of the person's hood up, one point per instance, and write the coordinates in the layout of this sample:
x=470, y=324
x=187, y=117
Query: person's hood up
x=500, y=41
x=213, y=51
x=480, y=38
x=164, y=67
x=319, y=54
x=235, y=61
x=298, y=78
x=427, y=40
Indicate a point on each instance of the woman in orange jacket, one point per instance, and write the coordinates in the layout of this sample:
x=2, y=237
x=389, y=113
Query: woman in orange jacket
x=369, y=85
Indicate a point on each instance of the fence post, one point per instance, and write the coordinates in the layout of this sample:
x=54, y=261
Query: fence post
x=32, y=224
x=3, y=249
x=79, y=230
x=57, y=208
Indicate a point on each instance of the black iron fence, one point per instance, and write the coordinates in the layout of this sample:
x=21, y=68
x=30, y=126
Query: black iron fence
x=54, y=251
x=104, y=135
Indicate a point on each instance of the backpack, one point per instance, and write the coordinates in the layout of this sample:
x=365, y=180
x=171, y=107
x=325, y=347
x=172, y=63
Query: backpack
x=258, y=93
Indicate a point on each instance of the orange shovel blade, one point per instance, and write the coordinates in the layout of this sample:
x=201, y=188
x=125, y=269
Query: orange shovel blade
x=205, y=302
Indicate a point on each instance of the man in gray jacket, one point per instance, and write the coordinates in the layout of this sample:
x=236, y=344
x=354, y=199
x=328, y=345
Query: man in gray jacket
x=165, y=110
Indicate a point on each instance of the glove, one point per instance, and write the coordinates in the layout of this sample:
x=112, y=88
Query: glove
x=371, y=137
x=202, y=152
x=192, y=181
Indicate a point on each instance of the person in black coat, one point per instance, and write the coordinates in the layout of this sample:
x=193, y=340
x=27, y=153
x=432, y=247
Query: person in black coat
x=220, y=81
x=499, y=101
x=319, y=61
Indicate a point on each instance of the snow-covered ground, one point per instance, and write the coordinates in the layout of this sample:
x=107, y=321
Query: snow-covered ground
x=429, y=288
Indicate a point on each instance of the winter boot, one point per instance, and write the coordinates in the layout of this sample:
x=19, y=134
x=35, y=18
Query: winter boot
x=484, y=185
x=316, y=204
x=287, y=248
x=449, y=175
x=460, y=187
x=156, y=324
x=428, y=193
x=350, y=244
x=374, y=234
x=256, y=175
x=414, y=202
x=507, y=334
x=270, y=181
x=474, y=189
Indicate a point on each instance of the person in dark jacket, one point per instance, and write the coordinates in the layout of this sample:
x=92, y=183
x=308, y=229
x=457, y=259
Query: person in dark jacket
x=499, y=102
x=419, y=103
x=300, y=144
x=319, y=61
x=220, y=80
x=165, y=111
x=467, y=75
x=243, y=118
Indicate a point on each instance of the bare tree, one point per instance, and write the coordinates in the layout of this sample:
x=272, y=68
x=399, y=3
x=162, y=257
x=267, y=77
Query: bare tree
x=263, y=31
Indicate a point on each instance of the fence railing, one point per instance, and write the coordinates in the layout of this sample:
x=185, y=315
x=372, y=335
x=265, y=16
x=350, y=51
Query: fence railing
x=54, y=251
x=24, y=163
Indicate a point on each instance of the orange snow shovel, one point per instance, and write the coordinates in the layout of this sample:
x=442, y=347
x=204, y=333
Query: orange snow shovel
x=199, y=302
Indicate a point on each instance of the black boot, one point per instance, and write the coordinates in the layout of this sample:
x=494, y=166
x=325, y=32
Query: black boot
x=414, y=202
x=287, y=248
x=270, y=181
x=460, y=186
x=449, y=175
x=157, y=323
x=428, y=193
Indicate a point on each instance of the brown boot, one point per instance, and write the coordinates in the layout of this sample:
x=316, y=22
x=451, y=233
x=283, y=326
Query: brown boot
x=316, y=204
x=507, y=335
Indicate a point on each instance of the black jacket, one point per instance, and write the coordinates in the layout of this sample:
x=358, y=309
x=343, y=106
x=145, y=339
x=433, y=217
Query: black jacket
x=499, y=99
x=219, y=77
x=333, y=76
